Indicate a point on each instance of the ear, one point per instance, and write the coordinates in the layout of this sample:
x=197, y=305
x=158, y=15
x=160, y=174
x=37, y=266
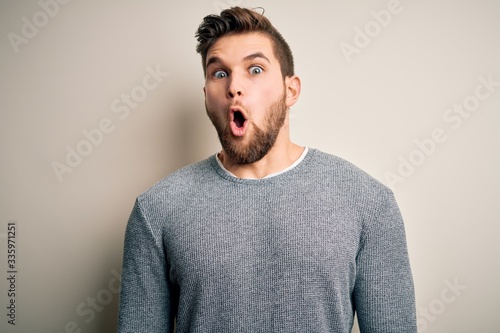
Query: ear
x=292, y=86
x=204, y=92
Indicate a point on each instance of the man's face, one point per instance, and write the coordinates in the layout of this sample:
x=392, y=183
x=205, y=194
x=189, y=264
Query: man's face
x=245, y=95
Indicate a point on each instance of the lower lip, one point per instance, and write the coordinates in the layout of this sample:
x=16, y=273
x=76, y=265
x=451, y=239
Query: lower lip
x=238, y=131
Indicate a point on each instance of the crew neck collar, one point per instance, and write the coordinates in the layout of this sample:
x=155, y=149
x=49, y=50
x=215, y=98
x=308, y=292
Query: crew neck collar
x=272, y=175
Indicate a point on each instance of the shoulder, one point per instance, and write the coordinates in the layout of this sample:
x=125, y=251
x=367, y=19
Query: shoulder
x=348, y=180
x=180, y=183
x=343, y=172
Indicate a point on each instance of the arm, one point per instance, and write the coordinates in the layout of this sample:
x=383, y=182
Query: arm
x=145, y=300
x=384, y=293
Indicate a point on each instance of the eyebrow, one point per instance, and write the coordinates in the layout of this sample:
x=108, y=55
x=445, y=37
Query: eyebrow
x=217, y=60
x=256, y=55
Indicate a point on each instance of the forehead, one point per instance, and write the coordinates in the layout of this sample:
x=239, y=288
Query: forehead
x=236, y=47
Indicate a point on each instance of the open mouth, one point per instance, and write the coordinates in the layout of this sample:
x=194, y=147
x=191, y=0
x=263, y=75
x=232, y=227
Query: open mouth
x=239, y=119
x=239, y=122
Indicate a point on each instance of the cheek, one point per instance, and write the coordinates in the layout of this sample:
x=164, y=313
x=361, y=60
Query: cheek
x=267, y=92
x=213, y=95
x=265, y=98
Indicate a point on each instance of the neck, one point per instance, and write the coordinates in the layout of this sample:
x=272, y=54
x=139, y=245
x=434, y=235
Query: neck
x=283, y=154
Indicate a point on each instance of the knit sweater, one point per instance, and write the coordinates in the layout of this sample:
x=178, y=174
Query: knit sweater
x=301, y=251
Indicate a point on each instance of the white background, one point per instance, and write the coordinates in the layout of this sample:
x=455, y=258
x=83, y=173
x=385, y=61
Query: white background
x=369, y=107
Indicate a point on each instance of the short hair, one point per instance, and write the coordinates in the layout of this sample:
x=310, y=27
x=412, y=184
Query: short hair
x=237, y=20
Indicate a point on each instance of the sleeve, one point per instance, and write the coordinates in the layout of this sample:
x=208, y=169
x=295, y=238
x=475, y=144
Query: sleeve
x=145, y=300
x=383, y=295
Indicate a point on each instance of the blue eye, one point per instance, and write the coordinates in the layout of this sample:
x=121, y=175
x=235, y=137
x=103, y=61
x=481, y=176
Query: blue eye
x=255, y=70
x=219, y=74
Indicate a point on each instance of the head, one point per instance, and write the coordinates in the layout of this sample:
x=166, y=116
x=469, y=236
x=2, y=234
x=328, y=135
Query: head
x=249, y=82
x=239, y=20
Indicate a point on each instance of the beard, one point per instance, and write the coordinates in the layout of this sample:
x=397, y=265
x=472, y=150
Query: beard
x=261, y=139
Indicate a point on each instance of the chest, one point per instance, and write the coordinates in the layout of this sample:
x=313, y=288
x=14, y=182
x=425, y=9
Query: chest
x=252, y=237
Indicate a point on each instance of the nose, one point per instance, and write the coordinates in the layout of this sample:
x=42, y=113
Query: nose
x=235, y=87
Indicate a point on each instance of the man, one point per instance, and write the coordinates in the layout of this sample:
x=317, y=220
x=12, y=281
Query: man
x=266, y=235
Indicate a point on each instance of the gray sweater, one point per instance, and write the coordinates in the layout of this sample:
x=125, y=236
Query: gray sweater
x=301, y=251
